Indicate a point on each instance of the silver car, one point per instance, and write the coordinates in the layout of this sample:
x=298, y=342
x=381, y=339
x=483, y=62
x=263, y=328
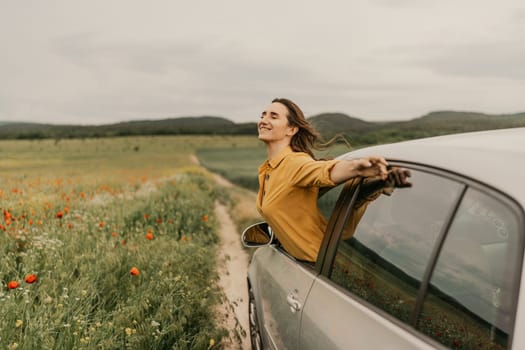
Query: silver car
x=433, y=266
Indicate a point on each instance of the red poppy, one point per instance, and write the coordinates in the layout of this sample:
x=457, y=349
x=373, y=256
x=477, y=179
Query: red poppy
x=12, y=285
x=205, y=218
x=149, y=235
x=134, y=271
x=31, y=278
x=60, y=214
x=7, y=215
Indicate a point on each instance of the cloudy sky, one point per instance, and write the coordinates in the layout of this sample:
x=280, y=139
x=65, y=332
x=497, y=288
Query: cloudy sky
x=103, y=61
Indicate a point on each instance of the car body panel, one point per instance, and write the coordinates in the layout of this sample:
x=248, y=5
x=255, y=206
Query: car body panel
x=355, y=327
x=279, y=324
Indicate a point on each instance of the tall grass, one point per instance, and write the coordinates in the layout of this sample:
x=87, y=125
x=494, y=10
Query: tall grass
x=81, y=221
x=85, y=296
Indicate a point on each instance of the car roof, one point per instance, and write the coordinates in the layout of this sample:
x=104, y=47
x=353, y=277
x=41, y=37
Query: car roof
x=494, y=157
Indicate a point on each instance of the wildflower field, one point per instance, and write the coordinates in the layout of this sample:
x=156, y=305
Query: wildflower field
x=108, y=244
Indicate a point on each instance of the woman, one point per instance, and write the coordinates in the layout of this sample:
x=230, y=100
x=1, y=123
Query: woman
x=290, y=178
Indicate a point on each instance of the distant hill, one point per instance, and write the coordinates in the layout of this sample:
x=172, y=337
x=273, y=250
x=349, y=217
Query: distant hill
x=183, y=125
x=339, y=122
x=436, y=123
x=358, y=131
x=171, y=126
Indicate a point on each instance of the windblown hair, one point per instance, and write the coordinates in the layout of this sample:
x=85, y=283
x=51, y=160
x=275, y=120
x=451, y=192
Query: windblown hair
x=307, y=138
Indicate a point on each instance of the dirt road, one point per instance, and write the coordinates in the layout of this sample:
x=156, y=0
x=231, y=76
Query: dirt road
x=232, y=266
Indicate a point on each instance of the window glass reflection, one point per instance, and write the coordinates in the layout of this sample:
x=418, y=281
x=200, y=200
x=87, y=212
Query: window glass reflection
x=388, y=240
x=469, y=301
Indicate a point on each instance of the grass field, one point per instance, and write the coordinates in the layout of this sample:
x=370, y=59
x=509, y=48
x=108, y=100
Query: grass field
x=108, y=244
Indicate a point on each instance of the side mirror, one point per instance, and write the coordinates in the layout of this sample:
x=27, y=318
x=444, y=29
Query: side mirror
x=257, y=235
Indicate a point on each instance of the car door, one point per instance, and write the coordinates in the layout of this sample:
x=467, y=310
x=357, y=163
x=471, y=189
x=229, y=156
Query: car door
x=368, y=293
x=283, y=285
x=282, y=288
x=431, y=266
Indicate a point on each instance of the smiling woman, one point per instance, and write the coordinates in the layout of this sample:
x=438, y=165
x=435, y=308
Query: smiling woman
x=290, y=178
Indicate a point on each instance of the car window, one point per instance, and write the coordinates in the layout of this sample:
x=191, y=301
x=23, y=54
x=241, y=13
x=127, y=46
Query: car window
x=388, y=240
x=327, y=199
x=469, y=299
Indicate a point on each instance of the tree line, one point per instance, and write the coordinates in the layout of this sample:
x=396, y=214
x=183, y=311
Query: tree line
x=360, y=132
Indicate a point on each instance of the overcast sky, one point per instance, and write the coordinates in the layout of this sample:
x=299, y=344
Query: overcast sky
x=97, y=62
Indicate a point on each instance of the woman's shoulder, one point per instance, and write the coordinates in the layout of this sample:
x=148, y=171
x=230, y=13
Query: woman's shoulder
x=305, y=157
x=299, y=156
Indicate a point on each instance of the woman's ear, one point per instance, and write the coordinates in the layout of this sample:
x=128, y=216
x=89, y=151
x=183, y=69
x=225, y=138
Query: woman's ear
x=292, y=130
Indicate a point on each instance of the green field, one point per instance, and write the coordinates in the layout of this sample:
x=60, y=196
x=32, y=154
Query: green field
x=80, y=214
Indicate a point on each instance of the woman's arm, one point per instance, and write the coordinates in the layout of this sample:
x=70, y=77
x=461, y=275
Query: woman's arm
x=365, y=167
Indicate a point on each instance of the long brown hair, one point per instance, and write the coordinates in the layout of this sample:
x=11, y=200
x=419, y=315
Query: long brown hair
x=306, y=138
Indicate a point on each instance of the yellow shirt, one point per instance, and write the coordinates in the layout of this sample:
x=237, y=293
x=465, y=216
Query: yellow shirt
x=288, y=189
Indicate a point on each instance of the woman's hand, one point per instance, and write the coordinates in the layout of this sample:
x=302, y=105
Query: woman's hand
x=366, y=167
x=372, y=167
x=399, y=177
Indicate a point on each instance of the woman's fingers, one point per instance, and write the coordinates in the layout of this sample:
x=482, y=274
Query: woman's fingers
x=378, y=160
x=373, y=166
x=381, y=165
x=399, y=176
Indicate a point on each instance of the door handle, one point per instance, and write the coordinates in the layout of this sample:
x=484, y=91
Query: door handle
x=295, y=305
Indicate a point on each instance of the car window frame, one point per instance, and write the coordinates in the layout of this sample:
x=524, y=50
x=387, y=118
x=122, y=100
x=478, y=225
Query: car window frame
x=344, y=206
x=331, y=225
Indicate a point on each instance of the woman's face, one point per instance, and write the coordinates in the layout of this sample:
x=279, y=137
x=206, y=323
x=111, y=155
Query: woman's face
x=273, y=125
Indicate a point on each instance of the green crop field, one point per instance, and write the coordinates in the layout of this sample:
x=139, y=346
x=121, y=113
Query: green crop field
x=109, y=243
x=239, y=165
